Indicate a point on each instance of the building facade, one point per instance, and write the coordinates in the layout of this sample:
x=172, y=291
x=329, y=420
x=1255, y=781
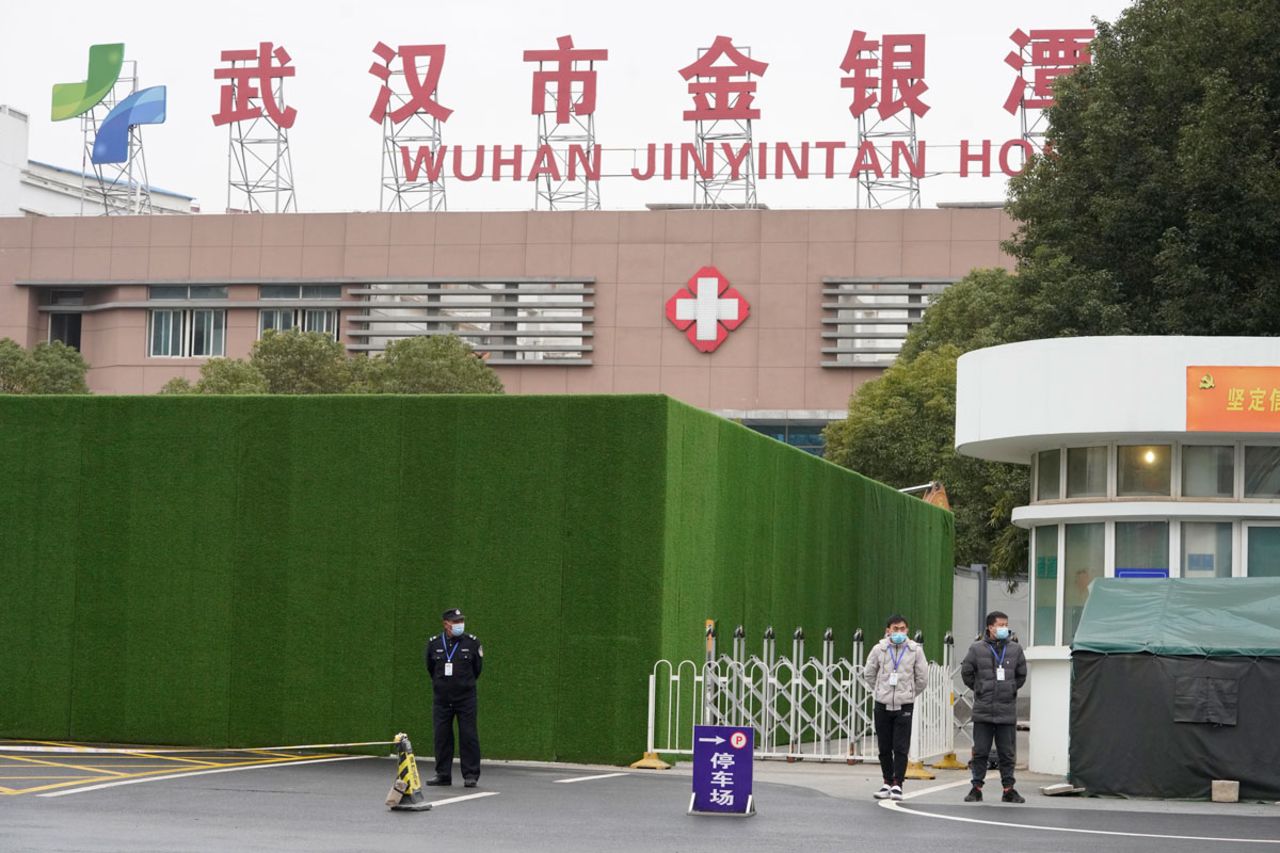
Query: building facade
x=558, y=302
x=1151, y=458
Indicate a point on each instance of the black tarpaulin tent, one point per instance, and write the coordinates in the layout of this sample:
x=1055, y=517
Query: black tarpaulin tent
x=1176, y=683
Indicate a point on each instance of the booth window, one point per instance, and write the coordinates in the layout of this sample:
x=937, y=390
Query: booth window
x=1045, y=582
x=1208, y=471
x=1048, y=475
x=1144, y=470
x=1085, y=554
x=1262, y=472
x=1142, y=548
x=1262, y=550
x=1087, y=472
x=1206, y=549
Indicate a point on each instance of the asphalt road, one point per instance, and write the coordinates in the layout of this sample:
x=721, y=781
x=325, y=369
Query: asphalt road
x=339, y=806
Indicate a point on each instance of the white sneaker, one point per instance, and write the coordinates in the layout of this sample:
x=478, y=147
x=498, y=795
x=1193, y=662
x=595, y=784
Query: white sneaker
x=895, y=793
x=884, y=792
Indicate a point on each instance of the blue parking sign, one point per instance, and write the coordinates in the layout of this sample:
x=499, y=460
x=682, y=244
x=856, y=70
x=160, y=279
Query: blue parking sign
x=722, y=770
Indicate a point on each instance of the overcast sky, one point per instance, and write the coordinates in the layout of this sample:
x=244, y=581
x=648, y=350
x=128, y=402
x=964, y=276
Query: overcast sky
x=337, y=148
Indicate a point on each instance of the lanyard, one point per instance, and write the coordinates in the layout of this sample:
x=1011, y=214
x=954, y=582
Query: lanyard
x=999, y=658
x=897, y=659
x=444, y=646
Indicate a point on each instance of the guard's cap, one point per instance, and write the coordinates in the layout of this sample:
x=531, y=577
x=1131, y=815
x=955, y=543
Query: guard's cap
x=453, y=615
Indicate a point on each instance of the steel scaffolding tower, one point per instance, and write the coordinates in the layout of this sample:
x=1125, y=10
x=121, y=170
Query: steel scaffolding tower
x=886, y=190
x=560, y=127
x=259, y=165
x=419, y=130
x=123, y=187
x=722, y=189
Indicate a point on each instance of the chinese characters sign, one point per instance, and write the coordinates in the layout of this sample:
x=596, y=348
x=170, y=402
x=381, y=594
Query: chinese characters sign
x=1233, y=399
x=722, y=770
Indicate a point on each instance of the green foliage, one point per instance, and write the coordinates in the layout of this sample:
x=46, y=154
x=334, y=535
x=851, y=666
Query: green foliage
x=301, y=363
x=178, y=385
x=50, y=368
x=1159, y=204
x=230, y=376
x=440, y=364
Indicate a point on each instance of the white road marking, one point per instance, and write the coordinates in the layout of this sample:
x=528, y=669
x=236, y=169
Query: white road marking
x=589, y=778
x=435, y=803
x=137, y=781
x=897, y=807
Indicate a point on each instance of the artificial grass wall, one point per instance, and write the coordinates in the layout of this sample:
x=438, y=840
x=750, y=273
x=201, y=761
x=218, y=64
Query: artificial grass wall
x=266, y=570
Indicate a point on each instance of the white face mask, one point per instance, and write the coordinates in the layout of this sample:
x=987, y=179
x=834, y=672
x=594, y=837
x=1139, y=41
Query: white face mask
x=457, y=628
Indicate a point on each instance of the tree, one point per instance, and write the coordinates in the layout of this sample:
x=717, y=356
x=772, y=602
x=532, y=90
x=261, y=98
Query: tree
x=1158, y=206
x=296, y=362
x=230, y=376
x=50, y=368
x=901, y=431
x=440, y=364
x=178, y=385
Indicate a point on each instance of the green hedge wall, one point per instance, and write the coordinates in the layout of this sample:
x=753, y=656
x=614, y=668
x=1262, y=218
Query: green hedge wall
x=266, y=570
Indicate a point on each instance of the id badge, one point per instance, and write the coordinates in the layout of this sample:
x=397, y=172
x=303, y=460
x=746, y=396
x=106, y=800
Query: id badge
x=999, y=673
x=448, y=670
x=893, y=679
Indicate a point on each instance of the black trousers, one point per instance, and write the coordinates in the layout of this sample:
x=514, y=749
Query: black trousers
x=893, y=733
x=443, y=713
x=1005, y=736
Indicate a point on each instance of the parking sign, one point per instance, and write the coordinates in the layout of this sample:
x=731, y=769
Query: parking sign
x=722, y=770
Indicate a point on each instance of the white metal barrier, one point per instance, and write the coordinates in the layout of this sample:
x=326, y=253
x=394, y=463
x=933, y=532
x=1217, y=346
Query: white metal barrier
x=814, y=708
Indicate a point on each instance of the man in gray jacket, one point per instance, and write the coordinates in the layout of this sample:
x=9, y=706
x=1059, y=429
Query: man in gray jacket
x=896, y=673
x=994, y=669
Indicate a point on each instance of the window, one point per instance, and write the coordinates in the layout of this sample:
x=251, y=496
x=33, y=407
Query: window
x=1144, y=470
x=865, y=322
x=1208, y=472
x=805, y=436
x=183, y=291
x=175, y=333
x=1084, y=563
x=1142, y=545
x=1045, y=582
x=209, y=333
x=304, y=319
x=1263, y=550
x=1048, y=475
x=1262, y=472
x=300, y=291
x=166, y=334
x=65, y=328
x=1087, y=472
x=1206, y=549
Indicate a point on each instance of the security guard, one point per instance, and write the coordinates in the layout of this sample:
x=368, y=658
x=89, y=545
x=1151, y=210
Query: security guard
x=454, y=659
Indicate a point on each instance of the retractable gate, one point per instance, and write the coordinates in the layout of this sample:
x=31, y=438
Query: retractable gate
x=817, y=708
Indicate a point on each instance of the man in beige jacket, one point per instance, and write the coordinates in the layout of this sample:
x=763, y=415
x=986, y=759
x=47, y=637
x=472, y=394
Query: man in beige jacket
x=896, y=673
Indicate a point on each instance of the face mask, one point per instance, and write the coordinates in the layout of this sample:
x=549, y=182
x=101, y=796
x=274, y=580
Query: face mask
x=897, y=639
x=1002, y=633
x=457, y=628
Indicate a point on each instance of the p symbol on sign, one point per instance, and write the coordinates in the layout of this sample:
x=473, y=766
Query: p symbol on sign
x=738, y=740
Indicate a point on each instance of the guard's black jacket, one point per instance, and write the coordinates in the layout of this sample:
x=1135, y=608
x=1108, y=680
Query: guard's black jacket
x=468, y=659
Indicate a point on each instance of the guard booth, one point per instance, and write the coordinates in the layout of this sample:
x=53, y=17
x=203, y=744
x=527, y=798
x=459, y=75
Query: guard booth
x=1176, y=683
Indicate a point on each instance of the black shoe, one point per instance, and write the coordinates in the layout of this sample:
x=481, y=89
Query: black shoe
x=1011, y=796
x=439, y=780
x=470, y=783
x=974, y=795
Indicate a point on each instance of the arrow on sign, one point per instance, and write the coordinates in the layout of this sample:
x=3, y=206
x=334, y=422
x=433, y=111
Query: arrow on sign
x=717, y=740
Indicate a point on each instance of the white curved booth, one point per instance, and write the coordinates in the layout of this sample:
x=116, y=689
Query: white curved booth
x=1151, y=457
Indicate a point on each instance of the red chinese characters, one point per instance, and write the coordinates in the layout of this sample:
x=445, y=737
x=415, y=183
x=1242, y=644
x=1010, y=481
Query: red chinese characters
x=724, y=91
x=238, y=95
x=420, y=82
x=564, y=77
x=1049, y=54
x=890, y=82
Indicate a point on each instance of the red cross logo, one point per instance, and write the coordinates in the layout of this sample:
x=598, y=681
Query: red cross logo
x=707, y=309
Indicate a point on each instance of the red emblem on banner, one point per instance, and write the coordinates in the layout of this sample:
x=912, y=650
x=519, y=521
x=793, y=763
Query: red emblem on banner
x=707, y=309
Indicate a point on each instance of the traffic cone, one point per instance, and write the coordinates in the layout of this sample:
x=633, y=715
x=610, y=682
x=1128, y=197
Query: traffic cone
x=406, y=792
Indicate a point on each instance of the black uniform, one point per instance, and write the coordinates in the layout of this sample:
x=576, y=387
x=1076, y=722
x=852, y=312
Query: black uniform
x=455, y=696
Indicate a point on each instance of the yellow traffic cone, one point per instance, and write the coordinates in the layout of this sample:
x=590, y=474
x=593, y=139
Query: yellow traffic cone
x=406, y=792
